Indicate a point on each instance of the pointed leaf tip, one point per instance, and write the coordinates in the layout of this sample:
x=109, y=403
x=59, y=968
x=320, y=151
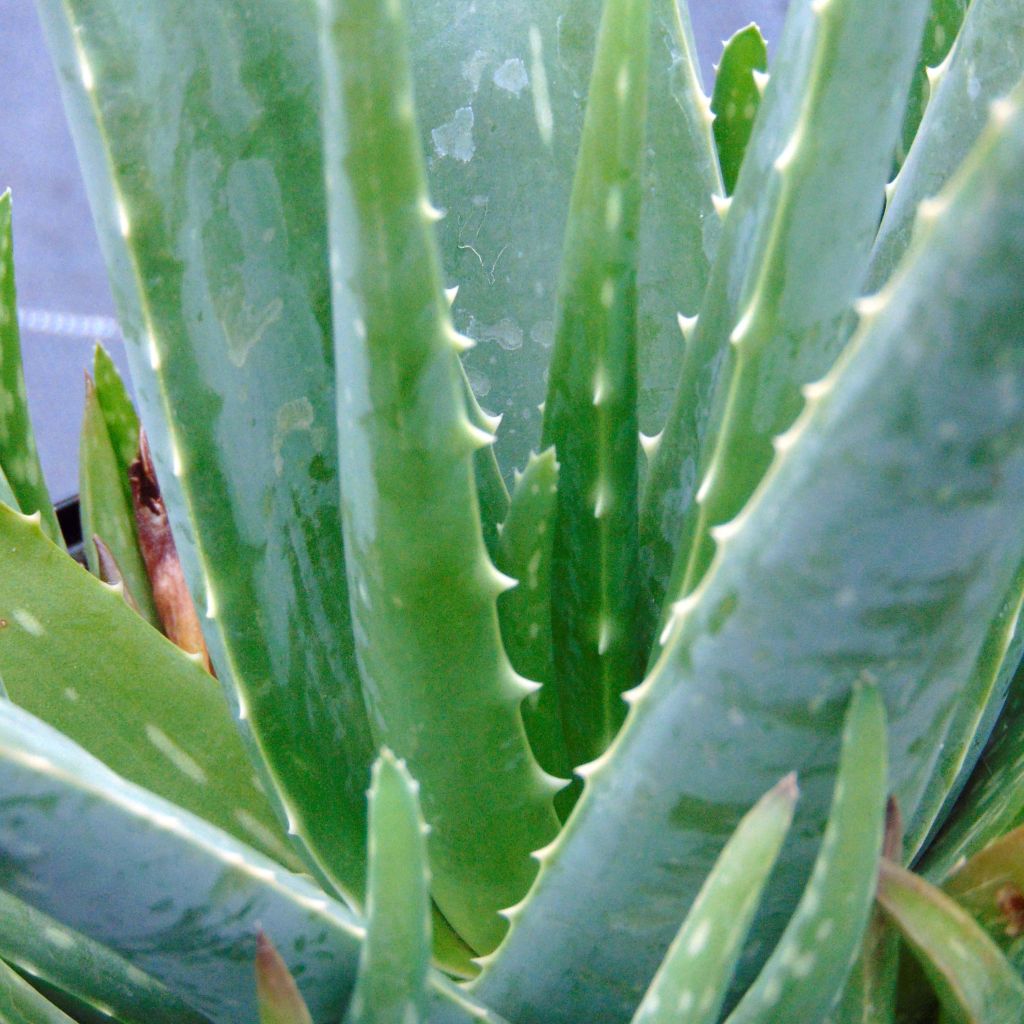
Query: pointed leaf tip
x=280, y=1001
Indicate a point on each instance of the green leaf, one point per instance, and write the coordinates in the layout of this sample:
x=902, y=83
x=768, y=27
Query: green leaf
x=974, y=981
x=985, y=64
x=990, y=886
x=431, y=656
x=590, y=413
x=104, y=496
x=736, y=99
x=214, y=236
x=993, y=801
x=391, y=984
x=18, y=454
x=278, y=996
x=807, y=970
x=91, y=973
x=869, y=996
x=799, y=605
x=793, y=255
x=499, y=91
x=524, y=554
x=692, y=982
x=71, y=832
x=6, y=494
x=944, y=20
x=74, y=654
x=20, y=1003
x=118, y=412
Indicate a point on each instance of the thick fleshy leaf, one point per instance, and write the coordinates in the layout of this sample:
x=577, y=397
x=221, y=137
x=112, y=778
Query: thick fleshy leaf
x=6, y=494
x=90, y=973
x=590, y=413
x=74, y=654
x=500, y=90
x=104, y=497
x=799, y=604
x=118, y=411
x=992, y=803
x=985, y=64
x=792, y=260
x=693, y=980
x=944, y=20
x=736, y=99
x=807, y=970
x=391, y=984
x=524, y=554
x=71, y=832
x=431, y=656
x=20, y=1003
x=18, y=454
x=974, y=981
x=197, y=128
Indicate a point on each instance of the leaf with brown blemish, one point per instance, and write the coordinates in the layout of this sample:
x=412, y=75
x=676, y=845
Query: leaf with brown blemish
x=279, y=998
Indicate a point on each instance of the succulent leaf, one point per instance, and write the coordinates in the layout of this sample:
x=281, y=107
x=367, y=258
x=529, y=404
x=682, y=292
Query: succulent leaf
x=791, y=262
x=20, y=1003
x=431, y=657
x=132, y=699
x=590, y=411
x=391, y=984
x=118, y=411
x=940, y=32
x=799, y=605
x=736, y=99
x=213, y=231
x=497, y=73
x=808, y=969
x=89, y=972
x=524, y=554
x=6, y=494
x=972, y=978
x=106, y=508
x=984, y=65
x=691, y=984
x=992, y=804
x=18, y=454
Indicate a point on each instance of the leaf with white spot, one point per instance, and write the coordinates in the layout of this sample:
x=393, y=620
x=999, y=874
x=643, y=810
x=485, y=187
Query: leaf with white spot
x=693, y=980
x=18, y=454
x=20, y=1003
x=974, y=981
x=590, y=412
x=809, y=966
x=85, y=970
x=984, y=66
x=391, y=984
x=132, y=699
x=524, y=554
x=736, y=99
x=71, y=832
x=800, y=604
x=791, y=262
x=430, y=655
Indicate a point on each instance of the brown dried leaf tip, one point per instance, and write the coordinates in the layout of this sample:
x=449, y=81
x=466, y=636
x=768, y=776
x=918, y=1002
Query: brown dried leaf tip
x=1010, y=902
x=173, y=602
x=280, y=1001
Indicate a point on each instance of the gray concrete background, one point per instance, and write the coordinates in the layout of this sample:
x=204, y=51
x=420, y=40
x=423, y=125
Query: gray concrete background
x=62, y=290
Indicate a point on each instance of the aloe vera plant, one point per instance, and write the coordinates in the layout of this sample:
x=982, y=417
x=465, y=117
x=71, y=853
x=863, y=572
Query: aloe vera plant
x=387, y=697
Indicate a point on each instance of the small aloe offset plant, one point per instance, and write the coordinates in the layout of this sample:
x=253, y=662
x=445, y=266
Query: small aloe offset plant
x=715, y=714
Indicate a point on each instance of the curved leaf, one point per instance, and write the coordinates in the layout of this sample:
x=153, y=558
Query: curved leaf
x=693, y=980
x=74, y=654
x=211, y=218
x=431, y=656
x=20, y=1003
x=880, y=545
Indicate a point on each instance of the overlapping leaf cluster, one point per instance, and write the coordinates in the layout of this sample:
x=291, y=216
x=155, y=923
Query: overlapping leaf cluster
x=769, y=524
